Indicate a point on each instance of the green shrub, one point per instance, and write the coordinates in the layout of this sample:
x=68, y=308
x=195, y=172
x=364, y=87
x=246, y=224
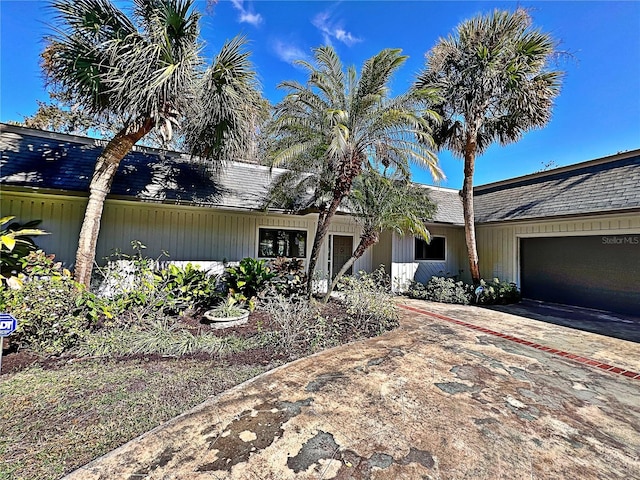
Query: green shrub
x=447, y=290
x=228, y=309
x=300, y=328
x=51, y=315
x=369, y=304
x=441, y=289
x=187, y=288
x=39, y=264
x=248, y=279
x=289, y=277
x=495, y=292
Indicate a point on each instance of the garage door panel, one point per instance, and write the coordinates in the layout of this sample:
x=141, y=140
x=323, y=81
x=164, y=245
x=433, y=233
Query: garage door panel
x=596, y=271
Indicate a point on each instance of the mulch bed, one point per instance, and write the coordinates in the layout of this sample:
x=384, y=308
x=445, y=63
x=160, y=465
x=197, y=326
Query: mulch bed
x=258, y=322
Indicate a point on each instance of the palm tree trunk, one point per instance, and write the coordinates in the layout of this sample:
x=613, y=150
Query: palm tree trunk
x=467, y=204
x=340, y=191
x=366, y=240
x=103, y=175
x=324, y=220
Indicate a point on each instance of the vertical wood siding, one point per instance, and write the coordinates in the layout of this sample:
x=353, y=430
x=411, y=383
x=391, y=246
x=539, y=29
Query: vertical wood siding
x=186, y=233
x=381, y=252
x=498, y=245
x=405, y=268
x=61, y=217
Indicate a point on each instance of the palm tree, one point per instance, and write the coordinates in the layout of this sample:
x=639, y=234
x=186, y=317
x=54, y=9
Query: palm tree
x=495, y=83
x=146, y=73
x=379, y=203
x=338, y=122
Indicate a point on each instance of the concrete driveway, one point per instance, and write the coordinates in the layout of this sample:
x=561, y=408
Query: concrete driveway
x=454, y=393
x=625, y=327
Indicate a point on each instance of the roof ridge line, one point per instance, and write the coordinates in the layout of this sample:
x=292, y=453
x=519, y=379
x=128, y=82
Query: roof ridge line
x=566, y=168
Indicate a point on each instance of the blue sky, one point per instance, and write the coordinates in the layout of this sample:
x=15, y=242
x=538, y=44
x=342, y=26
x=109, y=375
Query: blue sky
x=597, y=113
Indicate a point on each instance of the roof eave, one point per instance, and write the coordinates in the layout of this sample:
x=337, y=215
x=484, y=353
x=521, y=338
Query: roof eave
x=600, y=213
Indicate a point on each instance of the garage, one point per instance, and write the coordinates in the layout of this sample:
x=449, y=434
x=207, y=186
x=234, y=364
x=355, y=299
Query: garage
x=600, y=271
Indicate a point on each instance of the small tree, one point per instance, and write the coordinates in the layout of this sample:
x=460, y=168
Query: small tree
x=495, y=83
x=379, y=203
x=336, y=124
x=145, y=73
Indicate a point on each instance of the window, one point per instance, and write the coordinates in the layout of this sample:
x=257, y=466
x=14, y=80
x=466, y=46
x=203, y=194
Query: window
x=274, y=242
x=435, y=251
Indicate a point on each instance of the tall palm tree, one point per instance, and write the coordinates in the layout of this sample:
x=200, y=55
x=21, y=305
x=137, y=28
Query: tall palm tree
x=146, y=73
x=338, y=122
x=495, y=81
x=379, y=203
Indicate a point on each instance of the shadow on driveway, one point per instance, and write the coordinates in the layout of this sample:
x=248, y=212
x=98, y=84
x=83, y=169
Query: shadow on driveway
x=611, y=324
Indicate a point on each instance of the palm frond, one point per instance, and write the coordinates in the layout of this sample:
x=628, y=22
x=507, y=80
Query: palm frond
x=228, y=108
x=494, y=80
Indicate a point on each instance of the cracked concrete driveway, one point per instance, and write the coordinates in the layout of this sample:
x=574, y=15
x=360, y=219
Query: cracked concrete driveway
x=431, y=400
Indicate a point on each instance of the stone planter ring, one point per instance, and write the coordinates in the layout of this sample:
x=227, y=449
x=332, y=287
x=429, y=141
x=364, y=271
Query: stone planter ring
x=225, y=322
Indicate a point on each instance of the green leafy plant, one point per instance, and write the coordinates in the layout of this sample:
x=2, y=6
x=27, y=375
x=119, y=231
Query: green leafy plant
x=447, y=290
x=494, y=292
x=187, y=287
x=248, y=278
x=228, y=309
x=15, y=245
x=51, y=315
x=369, y=304
x=289, y=278
x=38, y=264
x=441, y=289
x=130, y=279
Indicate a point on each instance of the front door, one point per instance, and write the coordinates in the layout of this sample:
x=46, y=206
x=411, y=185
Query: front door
x=342, y=248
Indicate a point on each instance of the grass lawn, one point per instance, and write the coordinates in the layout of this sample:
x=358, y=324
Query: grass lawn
x=55, y=420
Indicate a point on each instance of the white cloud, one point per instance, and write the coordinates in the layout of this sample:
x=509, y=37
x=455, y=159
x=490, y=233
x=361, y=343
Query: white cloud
x=332, y=29
x=346, y=37
x=289, y=53
x=246, y=14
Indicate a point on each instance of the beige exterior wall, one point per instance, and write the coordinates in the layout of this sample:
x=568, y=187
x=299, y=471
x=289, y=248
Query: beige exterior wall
x=498, y=245
x=187, y=233
x=405, y=268
x=381, y=252
x=341, y=225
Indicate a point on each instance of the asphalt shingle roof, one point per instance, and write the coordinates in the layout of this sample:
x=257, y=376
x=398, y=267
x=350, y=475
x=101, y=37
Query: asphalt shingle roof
x=599, y=186
x=32, y=158
x=51, y=161
x=449, y=205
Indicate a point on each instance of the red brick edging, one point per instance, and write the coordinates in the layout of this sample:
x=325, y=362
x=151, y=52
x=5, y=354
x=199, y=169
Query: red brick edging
x=553, y=351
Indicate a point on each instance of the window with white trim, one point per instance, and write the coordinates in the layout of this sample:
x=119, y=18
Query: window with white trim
x=436, y=251
x=278, y=242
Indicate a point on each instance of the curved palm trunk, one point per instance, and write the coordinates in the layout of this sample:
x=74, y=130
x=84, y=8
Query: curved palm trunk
x=324, y=220
x=350, y=170
x=467, y=204
x=367, y=240
x=103, y=175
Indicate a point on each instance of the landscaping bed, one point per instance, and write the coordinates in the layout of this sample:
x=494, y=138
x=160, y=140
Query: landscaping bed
x=61, y=412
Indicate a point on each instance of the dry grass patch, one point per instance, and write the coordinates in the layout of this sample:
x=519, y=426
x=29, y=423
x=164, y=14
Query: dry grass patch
x=54, y=421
